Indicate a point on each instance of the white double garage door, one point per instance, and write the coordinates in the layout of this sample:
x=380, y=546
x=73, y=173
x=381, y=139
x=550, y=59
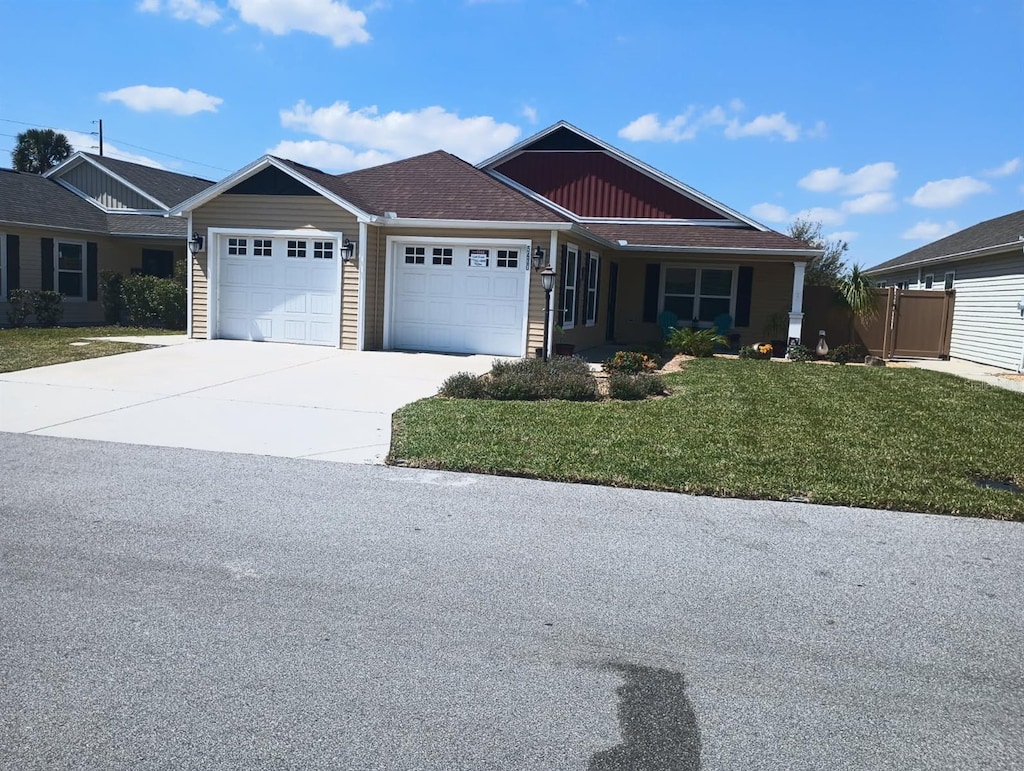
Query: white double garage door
x=445, y=295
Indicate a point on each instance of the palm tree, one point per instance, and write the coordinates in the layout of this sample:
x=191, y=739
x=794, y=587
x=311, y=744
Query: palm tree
x=857, y=291
x=39, y=150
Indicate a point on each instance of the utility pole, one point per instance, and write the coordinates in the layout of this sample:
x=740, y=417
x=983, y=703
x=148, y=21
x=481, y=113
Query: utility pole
x=100, y=122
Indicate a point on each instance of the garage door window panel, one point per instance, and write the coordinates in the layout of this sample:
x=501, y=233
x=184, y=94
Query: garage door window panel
x=296, y=250
x=262, y=247
x=323, y=250
x=442, y=256
x=415, y=255
x=238, y=246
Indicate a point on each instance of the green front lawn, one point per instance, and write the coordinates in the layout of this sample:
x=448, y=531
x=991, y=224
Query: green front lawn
x=879, y=437
x=28, y=347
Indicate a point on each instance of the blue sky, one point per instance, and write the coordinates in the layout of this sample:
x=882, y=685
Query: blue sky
x=893, y=123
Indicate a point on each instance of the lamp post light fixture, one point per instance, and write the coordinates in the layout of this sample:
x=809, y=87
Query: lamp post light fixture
x=195, y=244
x=538, y=259
x=547, y=280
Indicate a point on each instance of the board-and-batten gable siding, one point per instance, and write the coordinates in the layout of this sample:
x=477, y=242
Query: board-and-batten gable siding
x=541, y=238
x=104, y=190
x=270, y=212
x=987, y=326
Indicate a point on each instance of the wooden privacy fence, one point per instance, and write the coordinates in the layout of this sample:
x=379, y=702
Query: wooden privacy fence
x=906, y=323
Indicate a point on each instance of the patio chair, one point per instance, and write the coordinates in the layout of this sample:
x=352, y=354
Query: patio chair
x=667, y=320
x=723, y=325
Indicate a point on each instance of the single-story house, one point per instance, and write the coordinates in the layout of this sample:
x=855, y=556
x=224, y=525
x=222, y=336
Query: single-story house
x=435, y=254
x=89, y=214
x=984, y=264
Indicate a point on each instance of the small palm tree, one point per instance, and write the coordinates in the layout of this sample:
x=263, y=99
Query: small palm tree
x=39, y=150
x=857, y=291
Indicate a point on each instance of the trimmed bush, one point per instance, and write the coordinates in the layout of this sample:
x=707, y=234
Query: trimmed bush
x=171, y=302
x=112, y=296
x=844, y=354
x=566, y=378
x=20, y=305
x=696, y=342
x=140, y=302
x=633, y=362
x=633, y=387
x=462, y=385
x=49, y=307
x=799, y=352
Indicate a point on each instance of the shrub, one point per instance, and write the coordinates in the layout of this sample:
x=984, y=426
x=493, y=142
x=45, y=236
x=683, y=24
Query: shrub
x=533, y=379
x=760, y=351
x=140, y=302
x=696, y=342
x=462, y=385
x=171, y=302
x=632, y=362
x=631, y=387
x=844, y=354
x=112, y=296
x=799, y=352
x=20, y=305
x=49, y=307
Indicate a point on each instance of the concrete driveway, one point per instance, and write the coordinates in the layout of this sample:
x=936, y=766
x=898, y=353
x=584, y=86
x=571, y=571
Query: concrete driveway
x=289, y=401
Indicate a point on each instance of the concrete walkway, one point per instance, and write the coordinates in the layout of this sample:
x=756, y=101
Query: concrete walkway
x=994, y=376
x=293, y=401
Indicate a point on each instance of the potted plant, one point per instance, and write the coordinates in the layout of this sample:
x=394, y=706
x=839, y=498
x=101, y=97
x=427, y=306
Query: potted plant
x=562, y=348
x=774, y=328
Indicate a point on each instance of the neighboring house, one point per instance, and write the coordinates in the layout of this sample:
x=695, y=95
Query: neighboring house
x=984, y=264
x=434, y=254
x=89, y=214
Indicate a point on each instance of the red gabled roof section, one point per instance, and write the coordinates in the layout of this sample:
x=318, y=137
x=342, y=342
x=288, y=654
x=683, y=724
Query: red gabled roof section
x=591, y=183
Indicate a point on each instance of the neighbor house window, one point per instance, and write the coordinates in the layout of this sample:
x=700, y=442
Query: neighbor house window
x=71, y=269
x=570, y=267
x=928, y=281
x=593, y=274
x=947, y=282
x=698, y=293
x=881, y=284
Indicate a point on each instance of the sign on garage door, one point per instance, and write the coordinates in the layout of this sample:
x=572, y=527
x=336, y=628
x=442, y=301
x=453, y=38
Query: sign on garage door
x=459, y=298
x=280, y=289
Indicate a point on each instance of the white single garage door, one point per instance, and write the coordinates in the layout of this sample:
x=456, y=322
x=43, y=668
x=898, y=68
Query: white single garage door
x=279, y=289
x=453, y=298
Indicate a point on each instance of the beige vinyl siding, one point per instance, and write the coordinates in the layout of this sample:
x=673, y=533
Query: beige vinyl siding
x=987, y=326
x=275, y=212
x=772, y=292
x=376, y=264
x=106, y=191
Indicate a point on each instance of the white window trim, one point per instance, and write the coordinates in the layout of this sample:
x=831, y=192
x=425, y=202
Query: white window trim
x=569, y=310
x=85, y=269
x=3, y=267
x=950, y=278
x=213, y=257
x=665, y=266
x=593, y=278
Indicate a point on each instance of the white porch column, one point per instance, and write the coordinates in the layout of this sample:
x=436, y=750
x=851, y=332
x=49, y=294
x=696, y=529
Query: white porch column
x=796, y=313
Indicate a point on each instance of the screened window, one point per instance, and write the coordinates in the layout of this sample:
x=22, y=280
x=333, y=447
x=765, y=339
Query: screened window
x=71, y=269
x=698, y=293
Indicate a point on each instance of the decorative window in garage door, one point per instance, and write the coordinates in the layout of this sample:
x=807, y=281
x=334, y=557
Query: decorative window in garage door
x=323, y=250
x=479, y=258
x=415, y=255
x=262, y=247
x=297, y=250
x=508, y=258
x=442, y=256
x=237, y=245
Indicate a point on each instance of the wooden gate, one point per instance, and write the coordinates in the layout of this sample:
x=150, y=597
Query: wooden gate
x=913, y=323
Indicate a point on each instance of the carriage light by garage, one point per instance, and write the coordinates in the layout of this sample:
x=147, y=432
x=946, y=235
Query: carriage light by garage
x=195, y=245
x=538, y=259
x=348, y=251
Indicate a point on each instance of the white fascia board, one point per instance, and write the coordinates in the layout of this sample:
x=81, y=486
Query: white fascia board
x=533, y=195
x=412, y=222
x=663, y=221
x=254, y=168
x=802, y=254
x=116, y=177
x=986, y=251
x=629, y=160
x=72, y=160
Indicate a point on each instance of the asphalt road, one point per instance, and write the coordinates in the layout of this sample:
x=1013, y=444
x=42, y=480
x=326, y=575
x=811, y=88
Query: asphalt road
x=178, y=609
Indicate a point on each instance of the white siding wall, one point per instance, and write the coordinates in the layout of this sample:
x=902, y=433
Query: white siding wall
x=987, y=327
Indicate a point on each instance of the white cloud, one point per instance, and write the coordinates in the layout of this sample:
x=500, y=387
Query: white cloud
x=330, y=18
x=869, y=203
x=1012, y=166
x=764, y=126
x=90, y=144
x=821, y=214
x=689, y=123
x=769, y=212
x=842, y=235
x=149, y=98
x=944, y=193
x=867, y=179
x=530, y=113
x=204, y=13
x=930, y=231
x=403, y=134
x=328, y=155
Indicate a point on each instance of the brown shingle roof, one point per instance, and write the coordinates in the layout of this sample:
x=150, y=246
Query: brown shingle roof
x=436, y=185
x=994, y=232
x=709, y=236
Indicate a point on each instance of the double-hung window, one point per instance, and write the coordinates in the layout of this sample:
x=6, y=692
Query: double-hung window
x=593, y=274
x=698, y=293
x=71, y=269
x=948, y=279
x=570, y=270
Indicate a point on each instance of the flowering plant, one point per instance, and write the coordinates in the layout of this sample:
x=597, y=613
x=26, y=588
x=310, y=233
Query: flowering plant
x=756, y=351
x=632, y=362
